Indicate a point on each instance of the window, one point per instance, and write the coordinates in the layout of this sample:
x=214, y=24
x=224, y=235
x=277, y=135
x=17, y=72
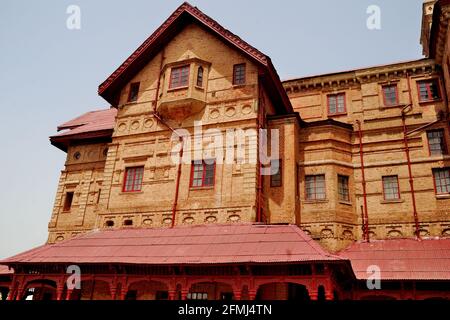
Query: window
x=315, y=187
x=128, y=222
x=442, y=180
x=109, y=223
x=336, y=103
x=197, y=296
x=68, y=201
x=428, y=90
x=390, y=95
x=179, y=77
x=134, y=90
x=133, y=179
x=343, y=188
x=239, y=74
x=390, y=188
x=202, y=174
x=275, y=177
x=200, y=77
x=98, y=196
x=436, y=142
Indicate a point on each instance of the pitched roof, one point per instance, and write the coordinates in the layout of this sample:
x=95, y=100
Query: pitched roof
x=93, y=124
x=202, y=244
x=4, y=270
x=184, y=14
x=401, y=259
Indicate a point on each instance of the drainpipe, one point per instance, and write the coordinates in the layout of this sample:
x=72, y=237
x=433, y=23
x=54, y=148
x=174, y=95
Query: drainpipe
x=365, y=214
x=408, y=159
x=260, y=217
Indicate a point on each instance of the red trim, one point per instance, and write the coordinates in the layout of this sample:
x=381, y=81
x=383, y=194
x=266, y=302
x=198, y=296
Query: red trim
x=178, y=84
x=428, y=83
x=135, y=186
x=241, y=81
x=444, y=142
x=384, y=94
x=134, y=85
x=398, y=187
x=203, y=171
x=335, y=96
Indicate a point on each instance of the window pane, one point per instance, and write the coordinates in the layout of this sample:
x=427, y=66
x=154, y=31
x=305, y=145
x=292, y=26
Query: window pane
x=390, y=188
x=239, y=74
x=436, y=142
x=442, y=180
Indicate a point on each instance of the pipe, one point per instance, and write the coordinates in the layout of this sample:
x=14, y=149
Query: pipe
x=361, y=155
x=363, y=222
x=177, y=186
x=408, y=159
x=259, y=214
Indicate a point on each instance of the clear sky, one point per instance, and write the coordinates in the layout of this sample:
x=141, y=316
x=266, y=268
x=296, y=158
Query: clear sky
x=50, y=74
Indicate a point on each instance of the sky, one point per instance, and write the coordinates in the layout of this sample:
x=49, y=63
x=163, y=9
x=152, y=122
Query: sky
x=49, y=73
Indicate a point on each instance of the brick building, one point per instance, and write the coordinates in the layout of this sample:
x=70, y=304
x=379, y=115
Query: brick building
x=363, y=178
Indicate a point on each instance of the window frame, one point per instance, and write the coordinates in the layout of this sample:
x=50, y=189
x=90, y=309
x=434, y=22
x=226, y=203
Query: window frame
x=398, y=187
x=127, y=172
x=195, y=163
x=336, y=95
x=383, y=87
x=434, y=170
x=242, y=81
x=133, y=85
x=444, y=150
x=200, y=77
x=315, y=187
x=279, y=174
x=438, y=88
x=347, y=186
x=68, y=206
x=179, y=86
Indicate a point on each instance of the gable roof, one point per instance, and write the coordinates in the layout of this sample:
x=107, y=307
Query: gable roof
x=200, y=244
x=401, y=259
x=182, y=16
x=92, y=124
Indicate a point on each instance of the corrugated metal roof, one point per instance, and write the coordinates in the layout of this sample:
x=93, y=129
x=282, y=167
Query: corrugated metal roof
x=401, y=259
x=89, y=122
x=203, y=244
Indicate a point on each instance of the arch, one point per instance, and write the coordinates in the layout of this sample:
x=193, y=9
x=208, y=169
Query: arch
x=147, y=290
x=282, y=291
x=211, y=290
x=93, y=289
x=39, y=289
x=199, y=81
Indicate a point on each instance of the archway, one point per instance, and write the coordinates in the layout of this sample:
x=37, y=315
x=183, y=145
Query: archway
x=147, y=290
x=282, y=291
x=210, y=291
x=39, y=290
x=92, y=290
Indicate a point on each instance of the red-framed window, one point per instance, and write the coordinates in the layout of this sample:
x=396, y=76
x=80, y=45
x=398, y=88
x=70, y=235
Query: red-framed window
x=390, y=95
x=133, y=179
x=428, y=90
x=336, y=103
x=436, y=142
x=179, y=77
x=68, y=199
x=315, y=187
x=203, y=173
x=343, y=191
x=200, y=77
x=239, y=74
x=276, y=173
x=391, y=190
x=441, y=180
x=134, y=90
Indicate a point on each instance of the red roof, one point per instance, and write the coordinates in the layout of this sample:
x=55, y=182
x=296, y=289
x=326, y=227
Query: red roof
x=202, y=244
x=401, y=259
x=93, y=124
x=184, y=14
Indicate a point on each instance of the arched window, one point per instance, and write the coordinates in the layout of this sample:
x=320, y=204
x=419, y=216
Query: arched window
x=200, y=77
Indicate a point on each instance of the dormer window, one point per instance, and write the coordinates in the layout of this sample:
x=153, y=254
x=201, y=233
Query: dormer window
x=134, y=90
x=179, y=77
x=200, y=77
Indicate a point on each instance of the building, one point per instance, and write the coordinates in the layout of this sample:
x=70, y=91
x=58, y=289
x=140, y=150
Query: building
x=363, y=178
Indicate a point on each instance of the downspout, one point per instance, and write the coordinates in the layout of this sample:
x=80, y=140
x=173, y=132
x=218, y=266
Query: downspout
x=408, y=159
x=365, y=214
x=259, y=215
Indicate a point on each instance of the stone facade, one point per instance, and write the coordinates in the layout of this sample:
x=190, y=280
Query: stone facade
x=312, y=142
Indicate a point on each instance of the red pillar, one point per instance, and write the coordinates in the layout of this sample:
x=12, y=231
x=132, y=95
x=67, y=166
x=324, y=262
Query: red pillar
x=313, y=294
x=69, y=294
